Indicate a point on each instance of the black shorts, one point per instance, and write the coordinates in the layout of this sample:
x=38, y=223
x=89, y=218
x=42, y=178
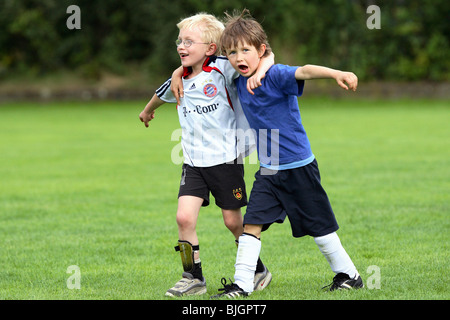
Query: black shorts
x=296, y=193
x=225, y=182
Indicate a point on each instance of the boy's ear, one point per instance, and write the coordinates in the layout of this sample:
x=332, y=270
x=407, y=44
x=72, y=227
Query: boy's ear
x=212, y=48
x=262, y=50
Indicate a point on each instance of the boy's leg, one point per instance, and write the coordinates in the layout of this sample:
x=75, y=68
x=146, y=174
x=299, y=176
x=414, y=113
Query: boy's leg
x=234, y=222
x=192, y=281
x=247, y=257
x=310, y=212
x=334, y=252
x=346, y=274
x=187, y=215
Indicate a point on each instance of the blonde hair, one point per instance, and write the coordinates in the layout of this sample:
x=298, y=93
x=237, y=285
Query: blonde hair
x=210, y=27
x=242, y=27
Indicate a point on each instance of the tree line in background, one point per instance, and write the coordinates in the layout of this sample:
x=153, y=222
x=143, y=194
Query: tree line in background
x=412, y=43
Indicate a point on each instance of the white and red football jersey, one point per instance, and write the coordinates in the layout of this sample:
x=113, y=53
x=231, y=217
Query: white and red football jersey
x=214, y=127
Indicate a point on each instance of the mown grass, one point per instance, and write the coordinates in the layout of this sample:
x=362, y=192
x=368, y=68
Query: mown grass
x=86, y=184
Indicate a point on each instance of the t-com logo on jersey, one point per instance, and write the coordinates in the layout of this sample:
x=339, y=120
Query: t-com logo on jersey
x=210, y=90
x=201, y=109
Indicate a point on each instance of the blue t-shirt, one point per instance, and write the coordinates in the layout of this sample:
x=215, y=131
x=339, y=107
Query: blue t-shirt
x=274, y=114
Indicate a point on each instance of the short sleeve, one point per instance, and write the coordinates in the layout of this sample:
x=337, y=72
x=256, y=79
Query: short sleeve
x=164, y=92
x=283, y=77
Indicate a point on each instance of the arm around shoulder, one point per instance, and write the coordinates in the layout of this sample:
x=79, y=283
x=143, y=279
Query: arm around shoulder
x=176, y=84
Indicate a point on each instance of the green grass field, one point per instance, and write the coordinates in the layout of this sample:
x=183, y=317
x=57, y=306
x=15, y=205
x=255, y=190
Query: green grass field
x=86, y=184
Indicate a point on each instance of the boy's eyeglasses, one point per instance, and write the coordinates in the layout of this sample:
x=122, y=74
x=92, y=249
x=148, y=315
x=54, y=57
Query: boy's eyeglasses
x=187, y=43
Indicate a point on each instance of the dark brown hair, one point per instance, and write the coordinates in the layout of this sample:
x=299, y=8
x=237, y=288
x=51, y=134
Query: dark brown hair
x=242, y=27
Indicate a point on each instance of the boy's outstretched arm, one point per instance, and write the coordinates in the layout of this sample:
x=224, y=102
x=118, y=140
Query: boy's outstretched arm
x=148, y=114
x=346, y=80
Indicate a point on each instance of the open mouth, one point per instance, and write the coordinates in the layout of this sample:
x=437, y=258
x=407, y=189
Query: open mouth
x=243, y=68
x=183, y=55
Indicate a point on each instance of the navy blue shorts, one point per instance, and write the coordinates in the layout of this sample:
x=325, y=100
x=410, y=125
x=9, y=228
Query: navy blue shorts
x=296, y=193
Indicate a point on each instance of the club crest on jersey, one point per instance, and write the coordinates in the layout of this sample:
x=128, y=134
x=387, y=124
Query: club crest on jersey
x=210, y=90
x=237, y=193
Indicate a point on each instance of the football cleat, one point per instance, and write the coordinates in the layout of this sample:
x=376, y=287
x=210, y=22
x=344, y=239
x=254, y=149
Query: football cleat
x=343, y=281
x=230, y=291
x=187, y=286
x=262, y=279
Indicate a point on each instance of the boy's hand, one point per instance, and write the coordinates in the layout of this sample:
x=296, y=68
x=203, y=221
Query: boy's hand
x=264, y=65
x=176, y=84
x=146, y=117
x=347, y=77
x=254, y=82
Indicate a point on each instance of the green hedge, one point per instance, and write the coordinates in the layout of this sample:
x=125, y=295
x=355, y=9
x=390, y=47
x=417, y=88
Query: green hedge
x=412, y=44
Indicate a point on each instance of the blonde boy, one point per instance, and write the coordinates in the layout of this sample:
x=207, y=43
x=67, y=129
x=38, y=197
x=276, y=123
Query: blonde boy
x=209, y=116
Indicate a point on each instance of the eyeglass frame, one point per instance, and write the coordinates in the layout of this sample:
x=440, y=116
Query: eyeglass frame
x=178, y=43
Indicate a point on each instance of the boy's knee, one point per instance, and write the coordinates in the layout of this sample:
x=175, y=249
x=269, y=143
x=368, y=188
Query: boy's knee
x=253, y=229
x=233, y=224
x=185, y=220
x=233, y=219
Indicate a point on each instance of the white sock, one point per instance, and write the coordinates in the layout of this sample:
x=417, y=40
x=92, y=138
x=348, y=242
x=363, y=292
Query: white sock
x=337, y=257
x=246, y=260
